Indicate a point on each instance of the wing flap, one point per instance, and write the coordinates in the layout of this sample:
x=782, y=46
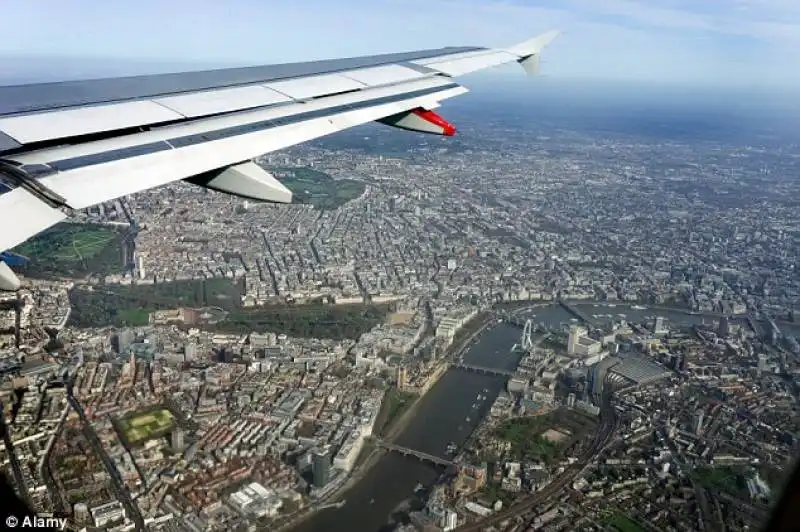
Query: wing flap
x=24, y=215
x=82, y=121
x=201, y=104
x=315, y=86
x=384, y=75
x=461, y=55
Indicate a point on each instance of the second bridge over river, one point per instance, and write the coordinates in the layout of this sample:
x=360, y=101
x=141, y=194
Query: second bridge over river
x=483, y=369
x=419, y=455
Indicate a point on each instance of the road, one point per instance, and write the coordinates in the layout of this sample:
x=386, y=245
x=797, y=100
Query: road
x=118, y=486
x=19, y=479
x=46, y=473
x=609, y=423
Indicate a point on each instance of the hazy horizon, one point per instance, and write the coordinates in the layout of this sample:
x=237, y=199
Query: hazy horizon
x=718, y=43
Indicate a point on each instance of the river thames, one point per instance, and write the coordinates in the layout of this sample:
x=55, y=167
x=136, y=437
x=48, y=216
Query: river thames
x=380, y=499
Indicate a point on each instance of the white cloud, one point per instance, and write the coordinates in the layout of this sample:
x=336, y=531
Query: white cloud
x=646, y=14
x=775, y=22
x=666, y=41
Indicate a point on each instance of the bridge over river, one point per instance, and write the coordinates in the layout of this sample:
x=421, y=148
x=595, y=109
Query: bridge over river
x=419, y=455
x=483, y=369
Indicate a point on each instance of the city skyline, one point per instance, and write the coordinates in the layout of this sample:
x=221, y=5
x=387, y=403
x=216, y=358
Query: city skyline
x=742, y=44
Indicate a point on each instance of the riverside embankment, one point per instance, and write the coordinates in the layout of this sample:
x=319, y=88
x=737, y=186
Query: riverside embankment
x=445, y=414
x=379, y=498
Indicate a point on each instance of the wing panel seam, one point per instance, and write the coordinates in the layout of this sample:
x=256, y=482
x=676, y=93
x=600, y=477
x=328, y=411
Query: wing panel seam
x=168, y=108
x=82, y=161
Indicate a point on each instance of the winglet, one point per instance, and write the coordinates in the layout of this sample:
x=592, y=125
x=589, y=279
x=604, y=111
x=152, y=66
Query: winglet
x=529, y=51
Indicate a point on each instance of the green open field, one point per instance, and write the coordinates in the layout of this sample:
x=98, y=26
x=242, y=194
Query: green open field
x=335, y=322
x=68, y=249
x=131, y=305
x=123, y=305
x=133, y=317
x=139, y=427
x=70, y=243
x=527, y=435
x=395, y=403
x=727, y=479
x=318, y=188
x=623, y=523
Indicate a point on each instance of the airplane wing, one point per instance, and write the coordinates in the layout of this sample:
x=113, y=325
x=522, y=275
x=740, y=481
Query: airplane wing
x=71, y=145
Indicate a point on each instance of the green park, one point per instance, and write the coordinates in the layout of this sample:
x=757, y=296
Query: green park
x=318, y=188
x=139, y=427
x=731, y=480
x=131, y=305
x=545, y=437
x=622, y=523
x=70, y=249
x=396, y=402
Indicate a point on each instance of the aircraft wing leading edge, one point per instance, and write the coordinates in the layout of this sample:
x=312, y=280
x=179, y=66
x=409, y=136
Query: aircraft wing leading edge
x=71, y=145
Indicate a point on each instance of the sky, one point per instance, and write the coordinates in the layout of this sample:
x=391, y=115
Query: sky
x=690, y=43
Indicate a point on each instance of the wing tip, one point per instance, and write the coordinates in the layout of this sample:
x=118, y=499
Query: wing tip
x=535, y=45
x=528, y=52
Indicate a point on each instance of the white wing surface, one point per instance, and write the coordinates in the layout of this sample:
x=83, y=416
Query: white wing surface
x=70, y=145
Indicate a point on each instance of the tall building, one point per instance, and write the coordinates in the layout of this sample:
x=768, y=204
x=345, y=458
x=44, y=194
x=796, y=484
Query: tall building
x=575, y=333
x=697, y=422
x=773, y=334
x=762, y=363
x=130, y=372
x=659, y=327
x=176, y=440
x=321, y=468
x=190, y=352
x=140, y=267
x=450, y=520
x=571, y=400
x=402, y=377
x=18, y=304
x=580, y=344
x=123, y=339
x=724, y=328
